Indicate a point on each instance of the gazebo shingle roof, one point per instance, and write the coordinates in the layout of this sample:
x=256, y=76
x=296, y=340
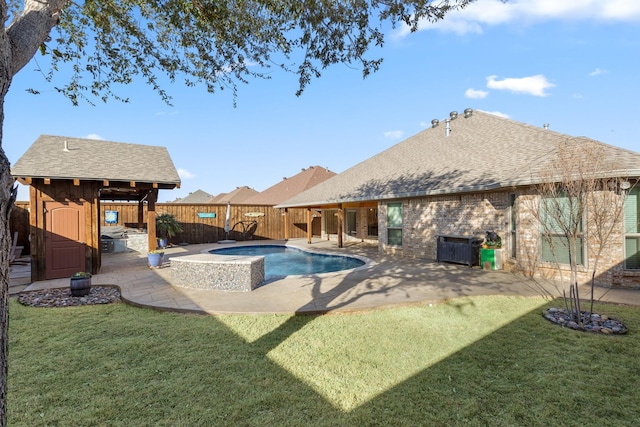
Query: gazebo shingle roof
x=481, y=152
x=59, y=157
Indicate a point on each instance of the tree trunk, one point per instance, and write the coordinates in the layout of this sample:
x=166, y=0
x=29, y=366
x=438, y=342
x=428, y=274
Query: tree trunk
x=6, y=203
x=18, y=43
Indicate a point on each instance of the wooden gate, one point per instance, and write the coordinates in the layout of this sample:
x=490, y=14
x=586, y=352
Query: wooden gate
x=65, y=239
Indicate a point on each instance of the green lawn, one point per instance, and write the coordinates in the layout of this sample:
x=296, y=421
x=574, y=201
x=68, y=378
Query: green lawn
x=473, y=361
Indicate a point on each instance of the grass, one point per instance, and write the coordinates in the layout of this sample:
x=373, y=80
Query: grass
x=473, y=361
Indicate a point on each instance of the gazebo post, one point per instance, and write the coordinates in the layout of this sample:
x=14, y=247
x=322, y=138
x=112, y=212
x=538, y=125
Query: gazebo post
x=151, y=219
x=140, y=214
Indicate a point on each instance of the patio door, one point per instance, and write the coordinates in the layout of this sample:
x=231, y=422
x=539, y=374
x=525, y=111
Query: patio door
x=65, y=242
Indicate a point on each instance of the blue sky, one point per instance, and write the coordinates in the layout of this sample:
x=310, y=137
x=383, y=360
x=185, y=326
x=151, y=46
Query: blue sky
x=572, y=64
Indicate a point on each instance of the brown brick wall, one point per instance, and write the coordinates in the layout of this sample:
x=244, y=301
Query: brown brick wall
x=474, y=214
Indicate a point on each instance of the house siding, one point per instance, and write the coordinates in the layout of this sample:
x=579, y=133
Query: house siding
x=429, y=217
x=426, y=218
x=610, y=265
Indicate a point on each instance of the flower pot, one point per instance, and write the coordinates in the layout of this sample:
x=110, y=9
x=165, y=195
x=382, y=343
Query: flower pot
x=80, y=286
x=155, y=259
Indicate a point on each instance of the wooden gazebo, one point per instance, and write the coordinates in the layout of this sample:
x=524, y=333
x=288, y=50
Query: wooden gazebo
x=68, y=179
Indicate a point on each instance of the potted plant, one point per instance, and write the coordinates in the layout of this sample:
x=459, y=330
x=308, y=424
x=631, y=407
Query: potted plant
x=155, y=257
x=80, y=284
x=166, y=226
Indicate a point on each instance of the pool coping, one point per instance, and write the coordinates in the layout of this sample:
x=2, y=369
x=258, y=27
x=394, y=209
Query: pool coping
x=367, y=261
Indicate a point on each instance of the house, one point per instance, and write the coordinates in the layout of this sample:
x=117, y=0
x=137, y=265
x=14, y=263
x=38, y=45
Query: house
x=289, y=187
x=69, y=177
x=469, y=174
x=235, y=197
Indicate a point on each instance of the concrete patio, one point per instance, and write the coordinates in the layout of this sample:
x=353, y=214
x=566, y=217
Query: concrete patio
x=384, y=282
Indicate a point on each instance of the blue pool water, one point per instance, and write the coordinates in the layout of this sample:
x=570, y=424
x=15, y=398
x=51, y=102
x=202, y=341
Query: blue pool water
x=285, y=261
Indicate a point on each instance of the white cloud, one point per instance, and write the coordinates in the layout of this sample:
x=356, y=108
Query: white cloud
x=94, y=136
x=532, y=85
x=499, y=114
x=597, y=72
x=476, y=94
x=393, y=134
x=185, y=174
x=484, y=13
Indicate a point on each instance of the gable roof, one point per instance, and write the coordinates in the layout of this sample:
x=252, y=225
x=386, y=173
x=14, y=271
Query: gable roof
x=289, y=187
x=197, y=196
x=60, y=157
x=214, y=199
x=481, y=152
x=237, y=196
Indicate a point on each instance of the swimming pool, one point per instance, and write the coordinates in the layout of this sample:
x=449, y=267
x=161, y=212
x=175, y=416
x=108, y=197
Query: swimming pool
x=280, y=261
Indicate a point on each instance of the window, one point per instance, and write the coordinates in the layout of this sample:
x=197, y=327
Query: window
x=512, y=225
x=351, y=223
x=556, y=216
x=632, y=230
x=331, y=221
x=394, y=224
x=372, y=222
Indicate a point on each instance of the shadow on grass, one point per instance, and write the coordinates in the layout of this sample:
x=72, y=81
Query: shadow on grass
x=120, y=366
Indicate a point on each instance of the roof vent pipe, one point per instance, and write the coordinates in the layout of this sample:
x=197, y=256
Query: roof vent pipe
x=434, y=122
x=447, y=129
x=546, y=126
x=453, y=115
x=66, y=145
x=467, y=113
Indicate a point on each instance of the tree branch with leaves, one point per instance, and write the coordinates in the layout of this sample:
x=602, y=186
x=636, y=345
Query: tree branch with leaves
x=105, y=45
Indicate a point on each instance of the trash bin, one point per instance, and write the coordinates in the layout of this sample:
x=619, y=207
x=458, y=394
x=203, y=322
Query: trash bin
x=491, y=259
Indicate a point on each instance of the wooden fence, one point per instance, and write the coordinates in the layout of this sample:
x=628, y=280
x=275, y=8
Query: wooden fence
x=201, y=223
x=204, y=223
x=19, y=222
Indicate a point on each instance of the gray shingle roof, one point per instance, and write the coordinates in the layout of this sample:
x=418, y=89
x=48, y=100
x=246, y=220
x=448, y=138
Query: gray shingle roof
x=90, y=159
x=482, y=152
x=198, y=196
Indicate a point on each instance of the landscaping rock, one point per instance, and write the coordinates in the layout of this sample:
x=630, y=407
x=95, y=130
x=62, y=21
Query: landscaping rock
x=596, y=323
x=62, y=297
